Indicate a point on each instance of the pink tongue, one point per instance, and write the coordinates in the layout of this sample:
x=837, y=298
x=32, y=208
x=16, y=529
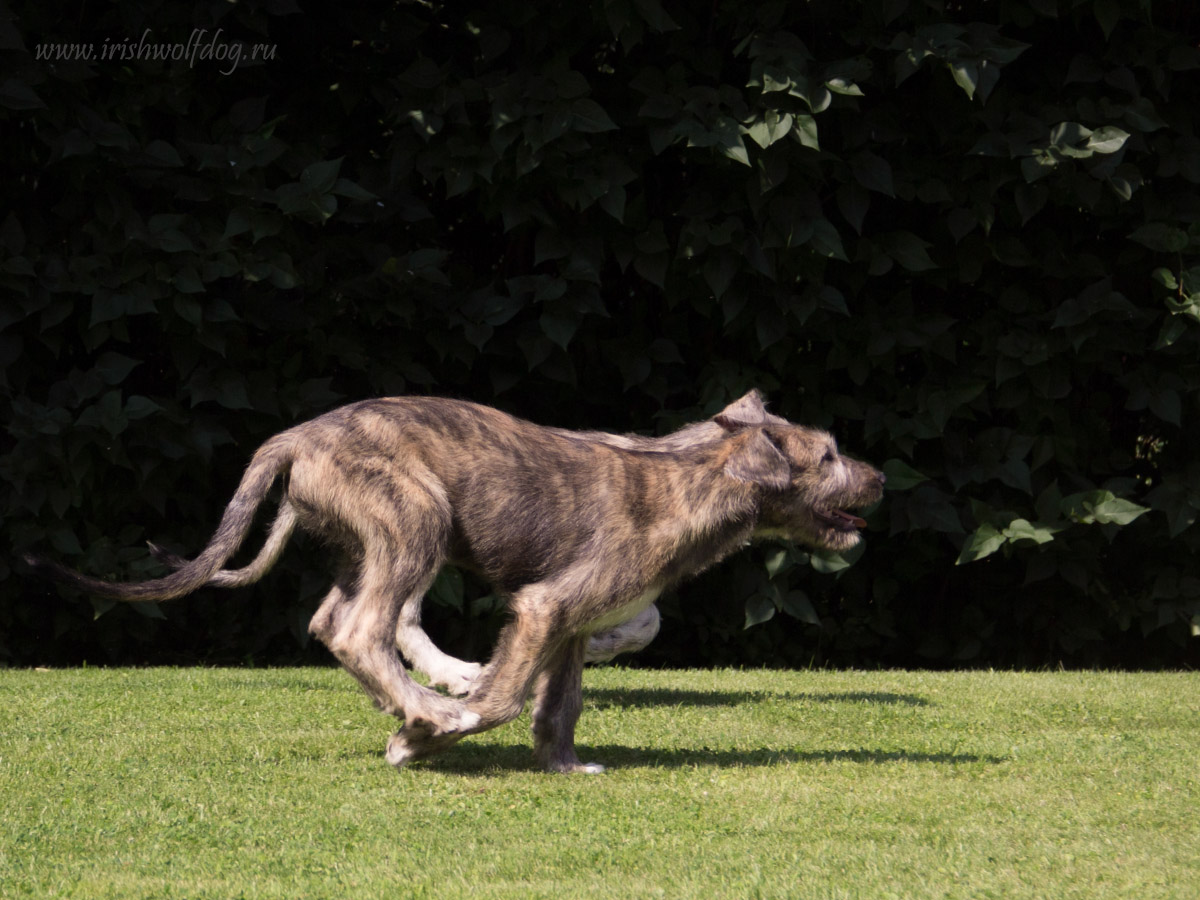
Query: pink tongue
x=845, y=518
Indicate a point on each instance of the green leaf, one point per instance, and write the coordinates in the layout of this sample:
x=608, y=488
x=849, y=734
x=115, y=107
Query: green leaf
x=149, y=609
x=730, y=143
x=842, y=85
x=613, y=202
x=1108, y=13
x=1030, y=200
x=984, y=542
x=114, y=367
x=589, y=116
x=797, y=605
x=163, y=154
x=655, y=16
x=828, y=562
x=1161, y=237
x=874, y=173
x=189, y=309
x=549, y=244
x=805, y=131
x=16, y=94
x=1100, y=507
x=344, y=187
x=139, y=407
x=1167, y=405
x=759, y=608
x=853, y=201
x=719, y=272
x=320, y=177
x=187, y=281
x=231, y=393
x=652, y=267
x=1178, y=498
x=908, y=250
x=1071, y=139
x=1108, y=139
x=1142, y=115
x=560, y=326
x=773, y=126
x=63, y=539
x=1038, y=166
x=826, y=241
x=966, y=75
x=775, y=561
x=1024, y=530
x=901, y=476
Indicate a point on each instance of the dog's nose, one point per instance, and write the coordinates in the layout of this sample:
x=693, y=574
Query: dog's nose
x=882, y=478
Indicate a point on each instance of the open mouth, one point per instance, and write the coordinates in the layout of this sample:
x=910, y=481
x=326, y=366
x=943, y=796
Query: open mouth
x=840, y=520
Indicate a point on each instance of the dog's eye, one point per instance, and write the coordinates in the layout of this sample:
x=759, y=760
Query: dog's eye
x=828, y=457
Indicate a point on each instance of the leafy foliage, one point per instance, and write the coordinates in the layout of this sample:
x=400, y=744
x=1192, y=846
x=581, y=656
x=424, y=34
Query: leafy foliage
x=968, y=247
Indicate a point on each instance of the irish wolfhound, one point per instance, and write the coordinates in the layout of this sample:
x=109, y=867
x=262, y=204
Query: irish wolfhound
x=580, y=531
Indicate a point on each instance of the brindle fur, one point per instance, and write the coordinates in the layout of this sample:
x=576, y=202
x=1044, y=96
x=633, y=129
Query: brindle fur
x=579, y=530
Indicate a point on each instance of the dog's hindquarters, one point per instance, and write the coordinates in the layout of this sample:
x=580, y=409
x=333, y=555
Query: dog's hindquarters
x=392, y=520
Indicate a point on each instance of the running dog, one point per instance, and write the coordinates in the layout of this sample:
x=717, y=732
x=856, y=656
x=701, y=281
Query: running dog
x=580, y=531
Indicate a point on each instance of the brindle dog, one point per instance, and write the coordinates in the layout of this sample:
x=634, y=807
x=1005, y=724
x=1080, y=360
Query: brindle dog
x=579, y=530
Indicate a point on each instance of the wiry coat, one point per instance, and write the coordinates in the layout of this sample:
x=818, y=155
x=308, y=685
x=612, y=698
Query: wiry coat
x=580, y=530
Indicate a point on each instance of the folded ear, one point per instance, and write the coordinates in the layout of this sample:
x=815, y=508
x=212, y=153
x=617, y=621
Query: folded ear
x=744, y=413
x=756, y=460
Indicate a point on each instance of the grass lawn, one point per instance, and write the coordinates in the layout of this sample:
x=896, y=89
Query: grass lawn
x=195, y=783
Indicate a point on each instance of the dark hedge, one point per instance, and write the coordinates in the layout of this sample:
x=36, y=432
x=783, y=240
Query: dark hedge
x=963, y=236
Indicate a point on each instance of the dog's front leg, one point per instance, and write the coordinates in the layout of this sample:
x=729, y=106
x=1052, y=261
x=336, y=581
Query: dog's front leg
x=454, y=675
x=558, y=699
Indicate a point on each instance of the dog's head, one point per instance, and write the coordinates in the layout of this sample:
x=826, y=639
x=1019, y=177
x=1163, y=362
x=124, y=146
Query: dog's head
x=808, y=487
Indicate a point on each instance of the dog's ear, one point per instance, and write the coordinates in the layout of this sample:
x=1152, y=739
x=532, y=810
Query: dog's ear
x=744, y=413
x=757, y=460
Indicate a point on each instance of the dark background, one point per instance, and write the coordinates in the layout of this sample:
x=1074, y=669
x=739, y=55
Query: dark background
x=963, y=236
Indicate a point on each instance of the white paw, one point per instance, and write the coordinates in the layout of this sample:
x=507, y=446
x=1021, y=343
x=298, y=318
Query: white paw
x=460, y=680
x=399, y=753
x=468, y=722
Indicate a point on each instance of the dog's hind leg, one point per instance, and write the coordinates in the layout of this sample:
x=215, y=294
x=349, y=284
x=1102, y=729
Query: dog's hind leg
x=523, y=649
x=357, y=622
x=396, y=549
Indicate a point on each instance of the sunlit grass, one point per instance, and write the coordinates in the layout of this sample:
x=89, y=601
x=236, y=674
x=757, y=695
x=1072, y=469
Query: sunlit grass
x=271, y=783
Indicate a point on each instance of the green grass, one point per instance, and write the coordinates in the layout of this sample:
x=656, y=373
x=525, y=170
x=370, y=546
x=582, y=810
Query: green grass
x=227, y=783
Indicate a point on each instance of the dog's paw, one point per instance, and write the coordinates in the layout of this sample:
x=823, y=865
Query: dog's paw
x=400, y=751
x=465, y=723
x=566, y=763
x=418, y=740
x=578, y=768
x=454, y=721
x=460, y=681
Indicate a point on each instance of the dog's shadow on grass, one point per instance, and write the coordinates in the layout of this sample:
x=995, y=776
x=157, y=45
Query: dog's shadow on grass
x=466, y=759
x=635, y=698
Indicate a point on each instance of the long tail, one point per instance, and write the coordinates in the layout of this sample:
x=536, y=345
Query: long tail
x=277, y=538
x=270, y=460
